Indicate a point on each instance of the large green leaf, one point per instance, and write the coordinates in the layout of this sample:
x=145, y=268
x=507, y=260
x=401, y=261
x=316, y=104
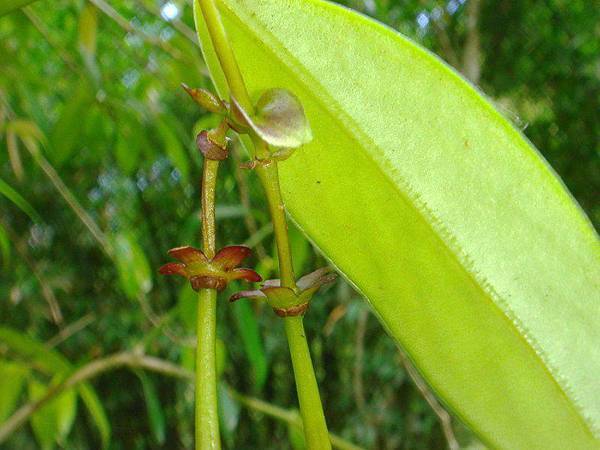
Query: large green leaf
x=466, y=244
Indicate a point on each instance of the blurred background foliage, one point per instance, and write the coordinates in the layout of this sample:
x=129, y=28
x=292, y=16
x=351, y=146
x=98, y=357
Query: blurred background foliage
x=99, y=178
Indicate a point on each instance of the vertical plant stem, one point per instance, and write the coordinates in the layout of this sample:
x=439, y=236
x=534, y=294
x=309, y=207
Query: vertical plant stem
x=224, y=53
x=269, y=178
x=208, y=188
x=207, y=418
x=313, y=418
x=311, y=408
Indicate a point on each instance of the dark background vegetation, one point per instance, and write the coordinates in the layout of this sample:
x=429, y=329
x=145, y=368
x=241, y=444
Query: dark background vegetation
x=97, y=139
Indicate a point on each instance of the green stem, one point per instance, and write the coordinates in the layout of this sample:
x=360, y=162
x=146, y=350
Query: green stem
x=291, y=417
x=269, y=178
x=207, y=418
x=311, y=409
x=224, y=53
x=315, y=427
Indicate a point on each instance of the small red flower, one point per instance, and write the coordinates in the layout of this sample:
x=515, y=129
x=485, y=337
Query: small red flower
x=211, y=274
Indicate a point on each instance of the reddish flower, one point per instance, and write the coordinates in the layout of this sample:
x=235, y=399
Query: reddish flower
x=211, y=274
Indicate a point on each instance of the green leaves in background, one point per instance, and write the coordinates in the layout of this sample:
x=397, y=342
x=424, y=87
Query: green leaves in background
x=173, y=148
x=16, y=198
x=52, y=363
x=88, y=37
x=30, y=134
x=471, y=252
x=13, y=377
x=132, y=265
x=247, y=326
x=156, y=417
x=53, y=422
x=4, y=247
x=67, y=132
x=7, y=6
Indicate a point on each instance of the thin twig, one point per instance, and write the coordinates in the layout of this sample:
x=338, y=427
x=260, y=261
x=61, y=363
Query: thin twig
x=112, y=13
x=443, y=416
x=39, y=25
x=70, y=330
x=47, y=292
x=177, y=24
x=70, y=198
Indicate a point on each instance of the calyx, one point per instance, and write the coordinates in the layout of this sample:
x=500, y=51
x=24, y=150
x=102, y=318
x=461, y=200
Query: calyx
x=215, y=273
x=285, y=301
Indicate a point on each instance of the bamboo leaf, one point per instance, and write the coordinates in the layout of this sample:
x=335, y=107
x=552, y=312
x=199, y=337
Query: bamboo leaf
x=4, y=248
x=156, y=416
x=51, y=362
x=19, y=201
x=468, y=247
x=66, y=134
x=53, y=422
x=13, y=376
x=132, y=265
x=252, y=340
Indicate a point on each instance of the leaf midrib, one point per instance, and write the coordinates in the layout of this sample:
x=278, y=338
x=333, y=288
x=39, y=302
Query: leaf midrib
x=444, y=236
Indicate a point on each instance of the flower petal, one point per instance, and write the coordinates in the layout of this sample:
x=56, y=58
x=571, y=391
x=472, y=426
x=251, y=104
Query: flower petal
x=246, y=294
x=229, y=257
x=272, y=283
x=316, y=278
x=188, y=255
x=173, y=269
x=244, y=274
